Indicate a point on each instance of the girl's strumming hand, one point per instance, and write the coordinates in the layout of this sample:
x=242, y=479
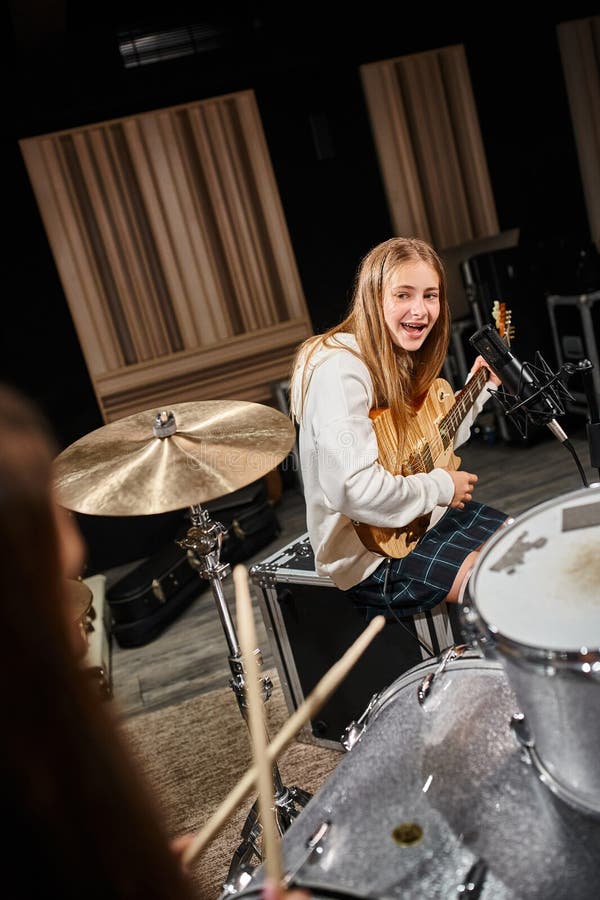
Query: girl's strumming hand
x=464, y=483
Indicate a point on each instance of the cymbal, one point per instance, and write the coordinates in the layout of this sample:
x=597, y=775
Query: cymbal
x=79, y=597
x=161, y=460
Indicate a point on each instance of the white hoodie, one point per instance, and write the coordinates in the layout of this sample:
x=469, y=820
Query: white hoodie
x=342, y=479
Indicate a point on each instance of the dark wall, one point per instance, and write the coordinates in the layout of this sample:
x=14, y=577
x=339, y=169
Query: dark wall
x=302, y=64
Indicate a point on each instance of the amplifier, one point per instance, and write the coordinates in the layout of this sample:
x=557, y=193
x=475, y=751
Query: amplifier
x=310, y=624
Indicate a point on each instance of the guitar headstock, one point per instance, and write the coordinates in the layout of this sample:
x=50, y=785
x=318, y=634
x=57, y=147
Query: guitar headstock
x=503, y=321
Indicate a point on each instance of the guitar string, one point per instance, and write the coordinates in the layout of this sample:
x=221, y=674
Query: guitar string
x=472, y=388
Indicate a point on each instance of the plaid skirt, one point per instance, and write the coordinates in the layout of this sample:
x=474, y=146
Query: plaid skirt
x=421, y=580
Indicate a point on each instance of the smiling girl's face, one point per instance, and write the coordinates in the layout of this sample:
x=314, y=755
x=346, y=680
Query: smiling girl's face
x=411, y=303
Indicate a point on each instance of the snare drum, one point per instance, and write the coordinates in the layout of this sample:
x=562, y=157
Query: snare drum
x=533, y=601
x=435, y=800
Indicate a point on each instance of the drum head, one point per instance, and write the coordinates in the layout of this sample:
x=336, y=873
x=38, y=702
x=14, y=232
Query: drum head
x=537, y=581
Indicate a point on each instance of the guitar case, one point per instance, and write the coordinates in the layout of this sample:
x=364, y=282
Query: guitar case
x=146, y=600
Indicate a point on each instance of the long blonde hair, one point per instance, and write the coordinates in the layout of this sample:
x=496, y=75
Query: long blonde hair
x=400, y=377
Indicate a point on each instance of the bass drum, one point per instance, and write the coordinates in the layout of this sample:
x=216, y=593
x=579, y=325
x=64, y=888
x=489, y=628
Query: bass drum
x=437, y=799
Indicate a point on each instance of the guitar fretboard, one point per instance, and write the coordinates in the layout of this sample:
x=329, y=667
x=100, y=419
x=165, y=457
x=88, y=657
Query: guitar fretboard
x=464, y=401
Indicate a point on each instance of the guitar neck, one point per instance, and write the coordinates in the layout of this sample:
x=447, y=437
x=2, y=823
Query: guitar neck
x=463, y=403
x=420, y=453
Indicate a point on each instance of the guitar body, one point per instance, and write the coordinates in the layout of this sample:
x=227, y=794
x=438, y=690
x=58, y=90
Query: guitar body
x=423, y=451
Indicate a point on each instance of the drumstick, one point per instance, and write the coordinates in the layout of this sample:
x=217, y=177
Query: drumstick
x=271, y=850
x=307, y=709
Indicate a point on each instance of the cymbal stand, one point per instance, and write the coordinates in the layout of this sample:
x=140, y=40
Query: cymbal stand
x=203, y=542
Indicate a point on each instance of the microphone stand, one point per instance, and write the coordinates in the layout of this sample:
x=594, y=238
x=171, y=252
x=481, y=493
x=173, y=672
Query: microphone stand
x=585, y=367
x=553, y=387
x=539, y=391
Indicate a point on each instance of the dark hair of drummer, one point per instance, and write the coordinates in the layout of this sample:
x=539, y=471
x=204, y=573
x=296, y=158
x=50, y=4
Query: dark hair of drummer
x=79, y=820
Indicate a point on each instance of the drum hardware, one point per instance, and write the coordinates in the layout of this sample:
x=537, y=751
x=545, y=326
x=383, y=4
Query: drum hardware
x=425, y=686
x=241, y=880
x=521, y=731
x=472, y=629
x=154, y=462
x=315, y=843
x=573, y=798
x=474, y=883
x=203, y=544
x=315, y=848
x=526, y=740
x=354, y=731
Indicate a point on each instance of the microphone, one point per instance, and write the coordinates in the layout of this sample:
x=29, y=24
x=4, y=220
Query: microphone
x=539, y=402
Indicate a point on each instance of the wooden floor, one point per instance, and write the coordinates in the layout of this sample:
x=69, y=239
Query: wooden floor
x=191, y=656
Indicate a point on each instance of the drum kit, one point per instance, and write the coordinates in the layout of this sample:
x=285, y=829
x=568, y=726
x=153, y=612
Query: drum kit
x=476, y=773
x=155, y=462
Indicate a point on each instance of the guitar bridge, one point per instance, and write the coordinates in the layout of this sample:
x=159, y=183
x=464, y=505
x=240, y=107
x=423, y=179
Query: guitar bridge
x=420, y=460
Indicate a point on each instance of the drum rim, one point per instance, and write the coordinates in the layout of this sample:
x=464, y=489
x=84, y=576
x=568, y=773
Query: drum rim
x=467, y=661
x=584, y=660
x=582, y=657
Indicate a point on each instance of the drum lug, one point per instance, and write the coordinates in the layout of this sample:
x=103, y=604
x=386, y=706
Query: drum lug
x=315, y=842
x=314, y=849
x=425, y=686
x=353, y=732
x=475, y=633
x=242, y=878
x=521, y=730
x=474, y=881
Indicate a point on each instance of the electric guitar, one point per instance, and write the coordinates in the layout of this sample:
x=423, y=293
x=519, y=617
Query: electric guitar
x=429, y=444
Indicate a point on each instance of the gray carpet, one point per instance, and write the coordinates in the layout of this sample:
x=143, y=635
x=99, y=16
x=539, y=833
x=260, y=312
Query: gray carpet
x=195, y=752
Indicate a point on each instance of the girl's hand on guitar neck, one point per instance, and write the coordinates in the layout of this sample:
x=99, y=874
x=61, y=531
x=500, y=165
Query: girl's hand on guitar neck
x=464, y=482
x=478, y=364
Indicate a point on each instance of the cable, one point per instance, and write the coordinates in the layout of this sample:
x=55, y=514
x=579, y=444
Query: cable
x=573, y=452
x=388, y=603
